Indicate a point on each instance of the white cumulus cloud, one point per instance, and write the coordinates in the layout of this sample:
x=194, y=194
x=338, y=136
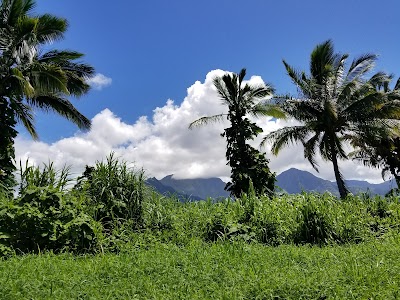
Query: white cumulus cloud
x=164, y=145
x=99, y=81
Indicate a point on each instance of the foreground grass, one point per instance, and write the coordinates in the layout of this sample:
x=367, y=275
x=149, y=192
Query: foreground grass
x=226, y=270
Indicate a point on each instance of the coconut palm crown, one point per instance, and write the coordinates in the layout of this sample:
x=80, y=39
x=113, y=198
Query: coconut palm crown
x=381, y=147
x=335, y=103
x=33, y=79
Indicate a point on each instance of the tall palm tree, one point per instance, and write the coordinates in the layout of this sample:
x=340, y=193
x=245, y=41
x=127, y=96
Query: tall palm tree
x=247, y=164
x=333, y=102
x=31, y=79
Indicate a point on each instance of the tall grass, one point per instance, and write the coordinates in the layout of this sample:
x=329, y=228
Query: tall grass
x=46, y=176
x=291, y=219
x=116, y=191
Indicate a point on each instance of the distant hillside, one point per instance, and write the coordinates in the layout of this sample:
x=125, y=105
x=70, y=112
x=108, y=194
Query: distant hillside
x=203, y=188
x=292, y=181
x=295, y=181
x=169, y=191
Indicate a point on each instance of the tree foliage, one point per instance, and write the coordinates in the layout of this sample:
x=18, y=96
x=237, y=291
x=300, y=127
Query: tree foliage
x=248, y=165
x=381, y=147
x=335, y=104
x=33, y=79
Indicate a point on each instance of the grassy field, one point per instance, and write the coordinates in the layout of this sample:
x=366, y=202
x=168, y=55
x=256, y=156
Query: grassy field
x=223, y=270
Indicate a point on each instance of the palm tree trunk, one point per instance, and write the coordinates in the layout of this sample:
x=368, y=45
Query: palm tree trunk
x=7, y=151
x=343, y=191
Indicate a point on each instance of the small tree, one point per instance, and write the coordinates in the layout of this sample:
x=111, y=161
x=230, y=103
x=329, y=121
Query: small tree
x=247, y=164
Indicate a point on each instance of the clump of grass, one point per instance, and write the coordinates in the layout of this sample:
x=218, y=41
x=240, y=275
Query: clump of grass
x=116, y=192
x=46, y=176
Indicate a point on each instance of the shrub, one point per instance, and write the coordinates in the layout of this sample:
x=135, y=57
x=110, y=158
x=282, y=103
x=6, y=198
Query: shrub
x=44, y=218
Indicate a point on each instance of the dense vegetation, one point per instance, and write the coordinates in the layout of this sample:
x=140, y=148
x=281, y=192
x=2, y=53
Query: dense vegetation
x=111, y=205
x=135, y=243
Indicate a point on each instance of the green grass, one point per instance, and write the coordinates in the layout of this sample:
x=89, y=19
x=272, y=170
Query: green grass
x=224, y=270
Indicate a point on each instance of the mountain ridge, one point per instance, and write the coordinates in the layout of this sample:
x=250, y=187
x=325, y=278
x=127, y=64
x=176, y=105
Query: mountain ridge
x=291, y=181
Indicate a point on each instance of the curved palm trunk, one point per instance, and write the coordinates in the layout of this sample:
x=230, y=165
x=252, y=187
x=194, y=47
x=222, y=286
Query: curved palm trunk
x=343, y=191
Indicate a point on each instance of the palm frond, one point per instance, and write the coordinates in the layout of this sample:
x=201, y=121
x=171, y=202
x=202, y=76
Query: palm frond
x=321, y=61
x=298, y=78
x=282, y=137
x=24, y=114
x=381, y=80
x=302, y=110
x=221, y=89
x=360, y=66
x=232, y=87
x=48, y=77
x=397, y=85
x=266, y=109
x=338, y=77
x=61, y=106
x=309, y=150
x=59, y=56
x=241, y=75
x=362, y=109
x=13, y=10
x=50, y=28
x=20, y=81
x=207, y=120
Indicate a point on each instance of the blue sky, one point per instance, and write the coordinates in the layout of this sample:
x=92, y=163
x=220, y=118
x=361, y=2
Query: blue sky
x=154, y=50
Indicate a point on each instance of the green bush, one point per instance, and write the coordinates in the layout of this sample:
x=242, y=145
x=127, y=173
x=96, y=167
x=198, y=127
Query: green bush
x=44, y=218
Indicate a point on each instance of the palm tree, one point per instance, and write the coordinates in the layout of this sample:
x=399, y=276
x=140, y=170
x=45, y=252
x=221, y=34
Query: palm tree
x=248, y=166
x=380, y=147
x=31, y=79
x=333, y=102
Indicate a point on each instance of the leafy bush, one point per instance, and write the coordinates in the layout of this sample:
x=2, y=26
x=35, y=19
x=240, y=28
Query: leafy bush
x=306, y=218
x=157, y=212
x=44, y=218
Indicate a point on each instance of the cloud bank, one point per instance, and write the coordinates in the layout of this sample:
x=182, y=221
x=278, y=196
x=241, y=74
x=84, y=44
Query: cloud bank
x=99, y=81
x=164, y=145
